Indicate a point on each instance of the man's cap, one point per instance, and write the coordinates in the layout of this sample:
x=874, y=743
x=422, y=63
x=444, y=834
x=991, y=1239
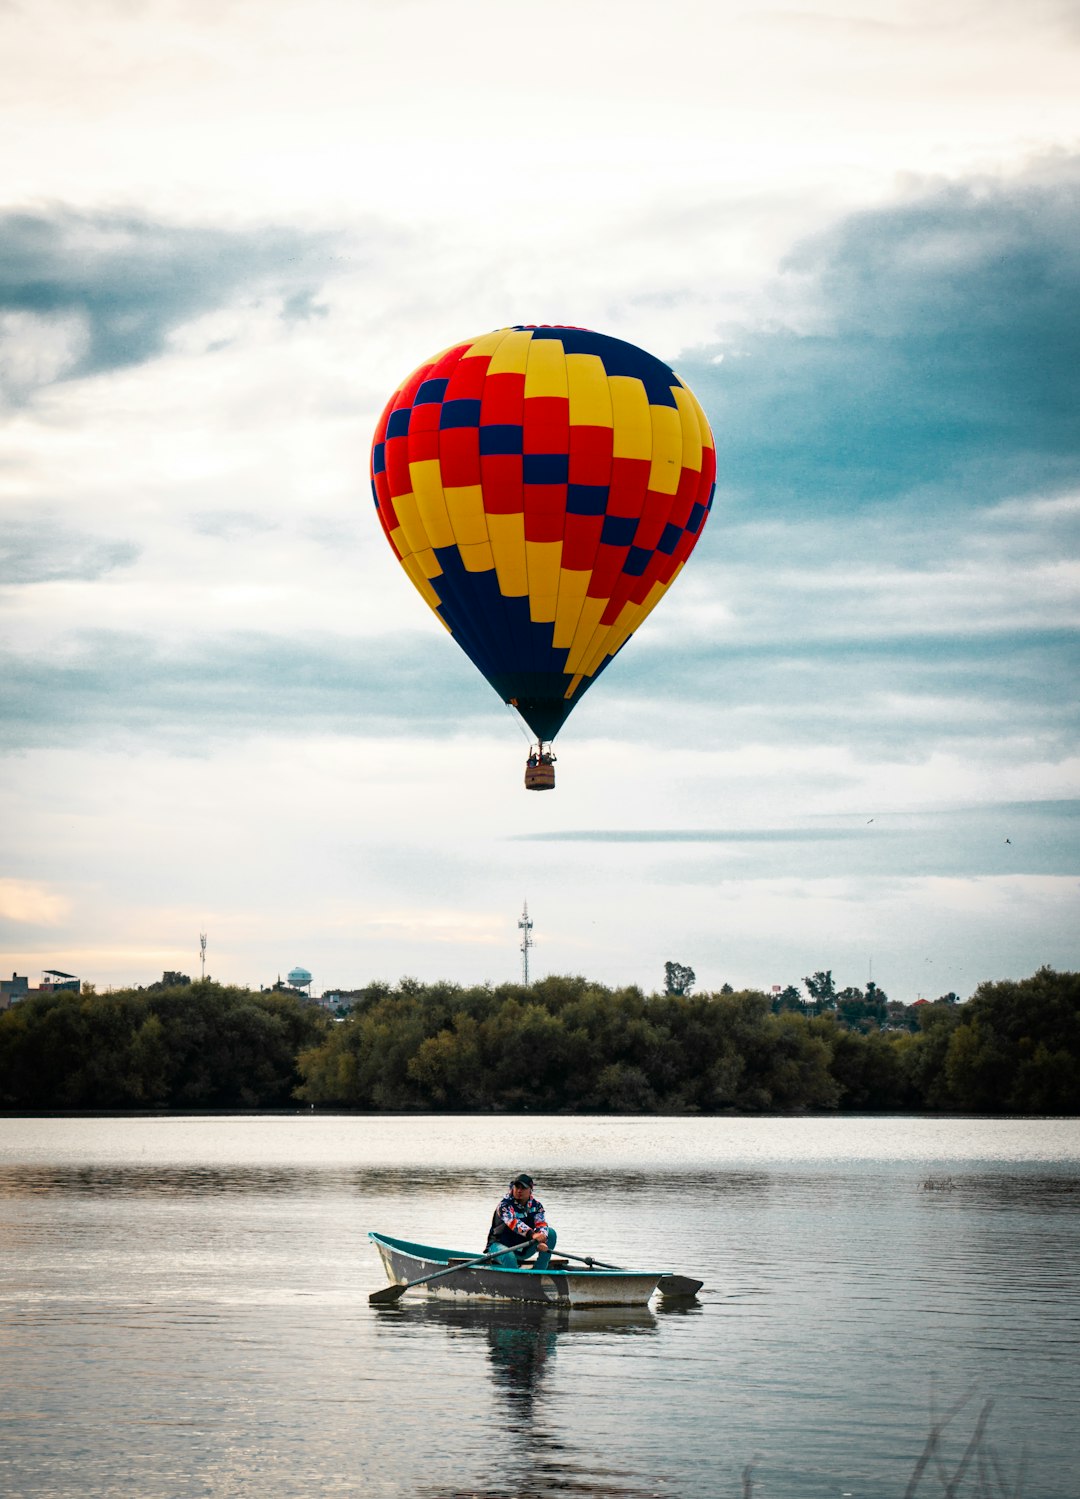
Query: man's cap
x=522, y=1181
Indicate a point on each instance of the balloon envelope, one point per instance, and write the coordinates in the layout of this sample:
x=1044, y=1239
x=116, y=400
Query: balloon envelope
x=543, y=487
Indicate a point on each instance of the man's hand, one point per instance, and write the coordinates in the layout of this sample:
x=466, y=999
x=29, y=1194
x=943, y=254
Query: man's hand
x=540, y=1235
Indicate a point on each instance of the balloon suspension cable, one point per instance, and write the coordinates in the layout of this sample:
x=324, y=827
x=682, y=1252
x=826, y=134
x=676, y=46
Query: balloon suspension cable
x=526, y=734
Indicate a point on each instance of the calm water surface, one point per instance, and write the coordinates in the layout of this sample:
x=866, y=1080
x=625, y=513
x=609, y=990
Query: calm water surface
x=183, y=1309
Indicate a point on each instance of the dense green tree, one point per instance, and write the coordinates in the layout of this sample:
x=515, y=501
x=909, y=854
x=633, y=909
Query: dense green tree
x=622, y=1088
x=726, y=1043
x=923, y=1058
x=331, y=1069
x=868, y=1070
x=678, y=978
x=820, y=986
x=861, y=1011
x=148, y=1062
x=796, y=1074
x=1016, y=1045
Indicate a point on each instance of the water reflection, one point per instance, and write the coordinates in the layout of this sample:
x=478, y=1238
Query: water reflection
x=205, y=1180
x=1027, y=1190
x=165, y=1180
x=1038, y=1189
x=521, y=1344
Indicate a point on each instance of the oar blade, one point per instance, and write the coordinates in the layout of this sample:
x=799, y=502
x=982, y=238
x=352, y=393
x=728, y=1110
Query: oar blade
x=678, y=1285
x=387, y=1294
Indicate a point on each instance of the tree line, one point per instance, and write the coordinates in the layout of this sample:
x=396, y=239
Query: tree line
x=564, y=1044
x=859, y=1009
x=180, y=1045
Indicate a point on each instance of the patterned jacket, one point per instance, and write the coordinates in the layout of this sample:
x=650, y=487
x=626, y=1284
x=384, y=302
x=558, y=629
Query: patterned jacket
x=514, y=1222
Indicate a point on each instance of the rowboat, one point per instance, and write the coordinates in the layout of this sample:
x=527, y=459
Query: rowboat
x=559, y=1285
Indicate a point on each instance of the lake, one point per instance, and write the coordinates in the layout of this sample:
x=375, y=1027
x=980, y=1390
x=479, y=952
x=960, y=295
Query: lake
x=183, y=1309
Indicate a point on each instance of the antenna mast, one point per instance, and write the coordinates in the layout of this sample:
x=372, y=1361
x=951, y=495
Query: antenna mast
x=202, y=953
x=525, y=926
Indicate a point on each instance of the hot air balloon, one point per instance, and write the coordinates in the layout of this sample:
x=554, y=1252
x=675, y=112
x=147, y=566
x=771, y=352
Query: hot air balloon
x=542, y=487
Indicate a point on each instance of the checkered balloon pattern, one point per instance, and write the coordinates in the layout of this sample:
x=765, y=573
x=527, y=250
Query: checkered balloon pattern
x=543, y=487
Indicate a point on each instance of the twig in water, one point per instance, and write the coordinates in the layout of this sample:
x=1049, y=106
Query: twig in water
x=978, y=1450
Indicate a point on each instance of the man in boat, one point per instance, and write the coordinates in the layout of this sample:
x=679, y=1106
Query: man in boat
x=520, y=1219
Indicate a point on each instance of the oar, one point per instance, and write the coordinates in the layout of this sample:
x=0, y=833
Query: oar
x=395, y=1292
x=668, y=1285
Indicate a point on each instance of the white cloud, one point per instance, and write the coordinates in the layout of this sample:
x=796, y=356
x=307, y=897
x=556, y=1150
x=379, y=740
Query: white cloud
x=36, y=349
x=456, y=928
x=253, y=108
x=25, y=903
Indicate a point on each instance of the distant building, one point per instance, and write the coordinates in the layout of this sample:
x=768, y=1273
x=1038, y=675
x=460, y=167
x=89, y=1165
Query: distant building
x=53, y=980
x=340, y=999
x=12, y=990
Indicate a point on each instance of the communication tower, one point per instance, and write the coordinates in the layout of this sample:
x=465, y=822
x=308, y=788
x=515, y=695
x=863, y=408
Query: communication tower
x=202, y=953
x=525, y=927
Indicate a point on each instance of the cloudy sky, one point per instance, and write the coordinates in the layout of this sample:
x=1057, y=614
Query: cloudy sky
x=847, y=740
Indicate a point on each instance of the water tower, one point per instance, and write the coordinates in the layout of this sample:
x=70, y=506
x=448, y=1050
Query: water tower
x=299, y=978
